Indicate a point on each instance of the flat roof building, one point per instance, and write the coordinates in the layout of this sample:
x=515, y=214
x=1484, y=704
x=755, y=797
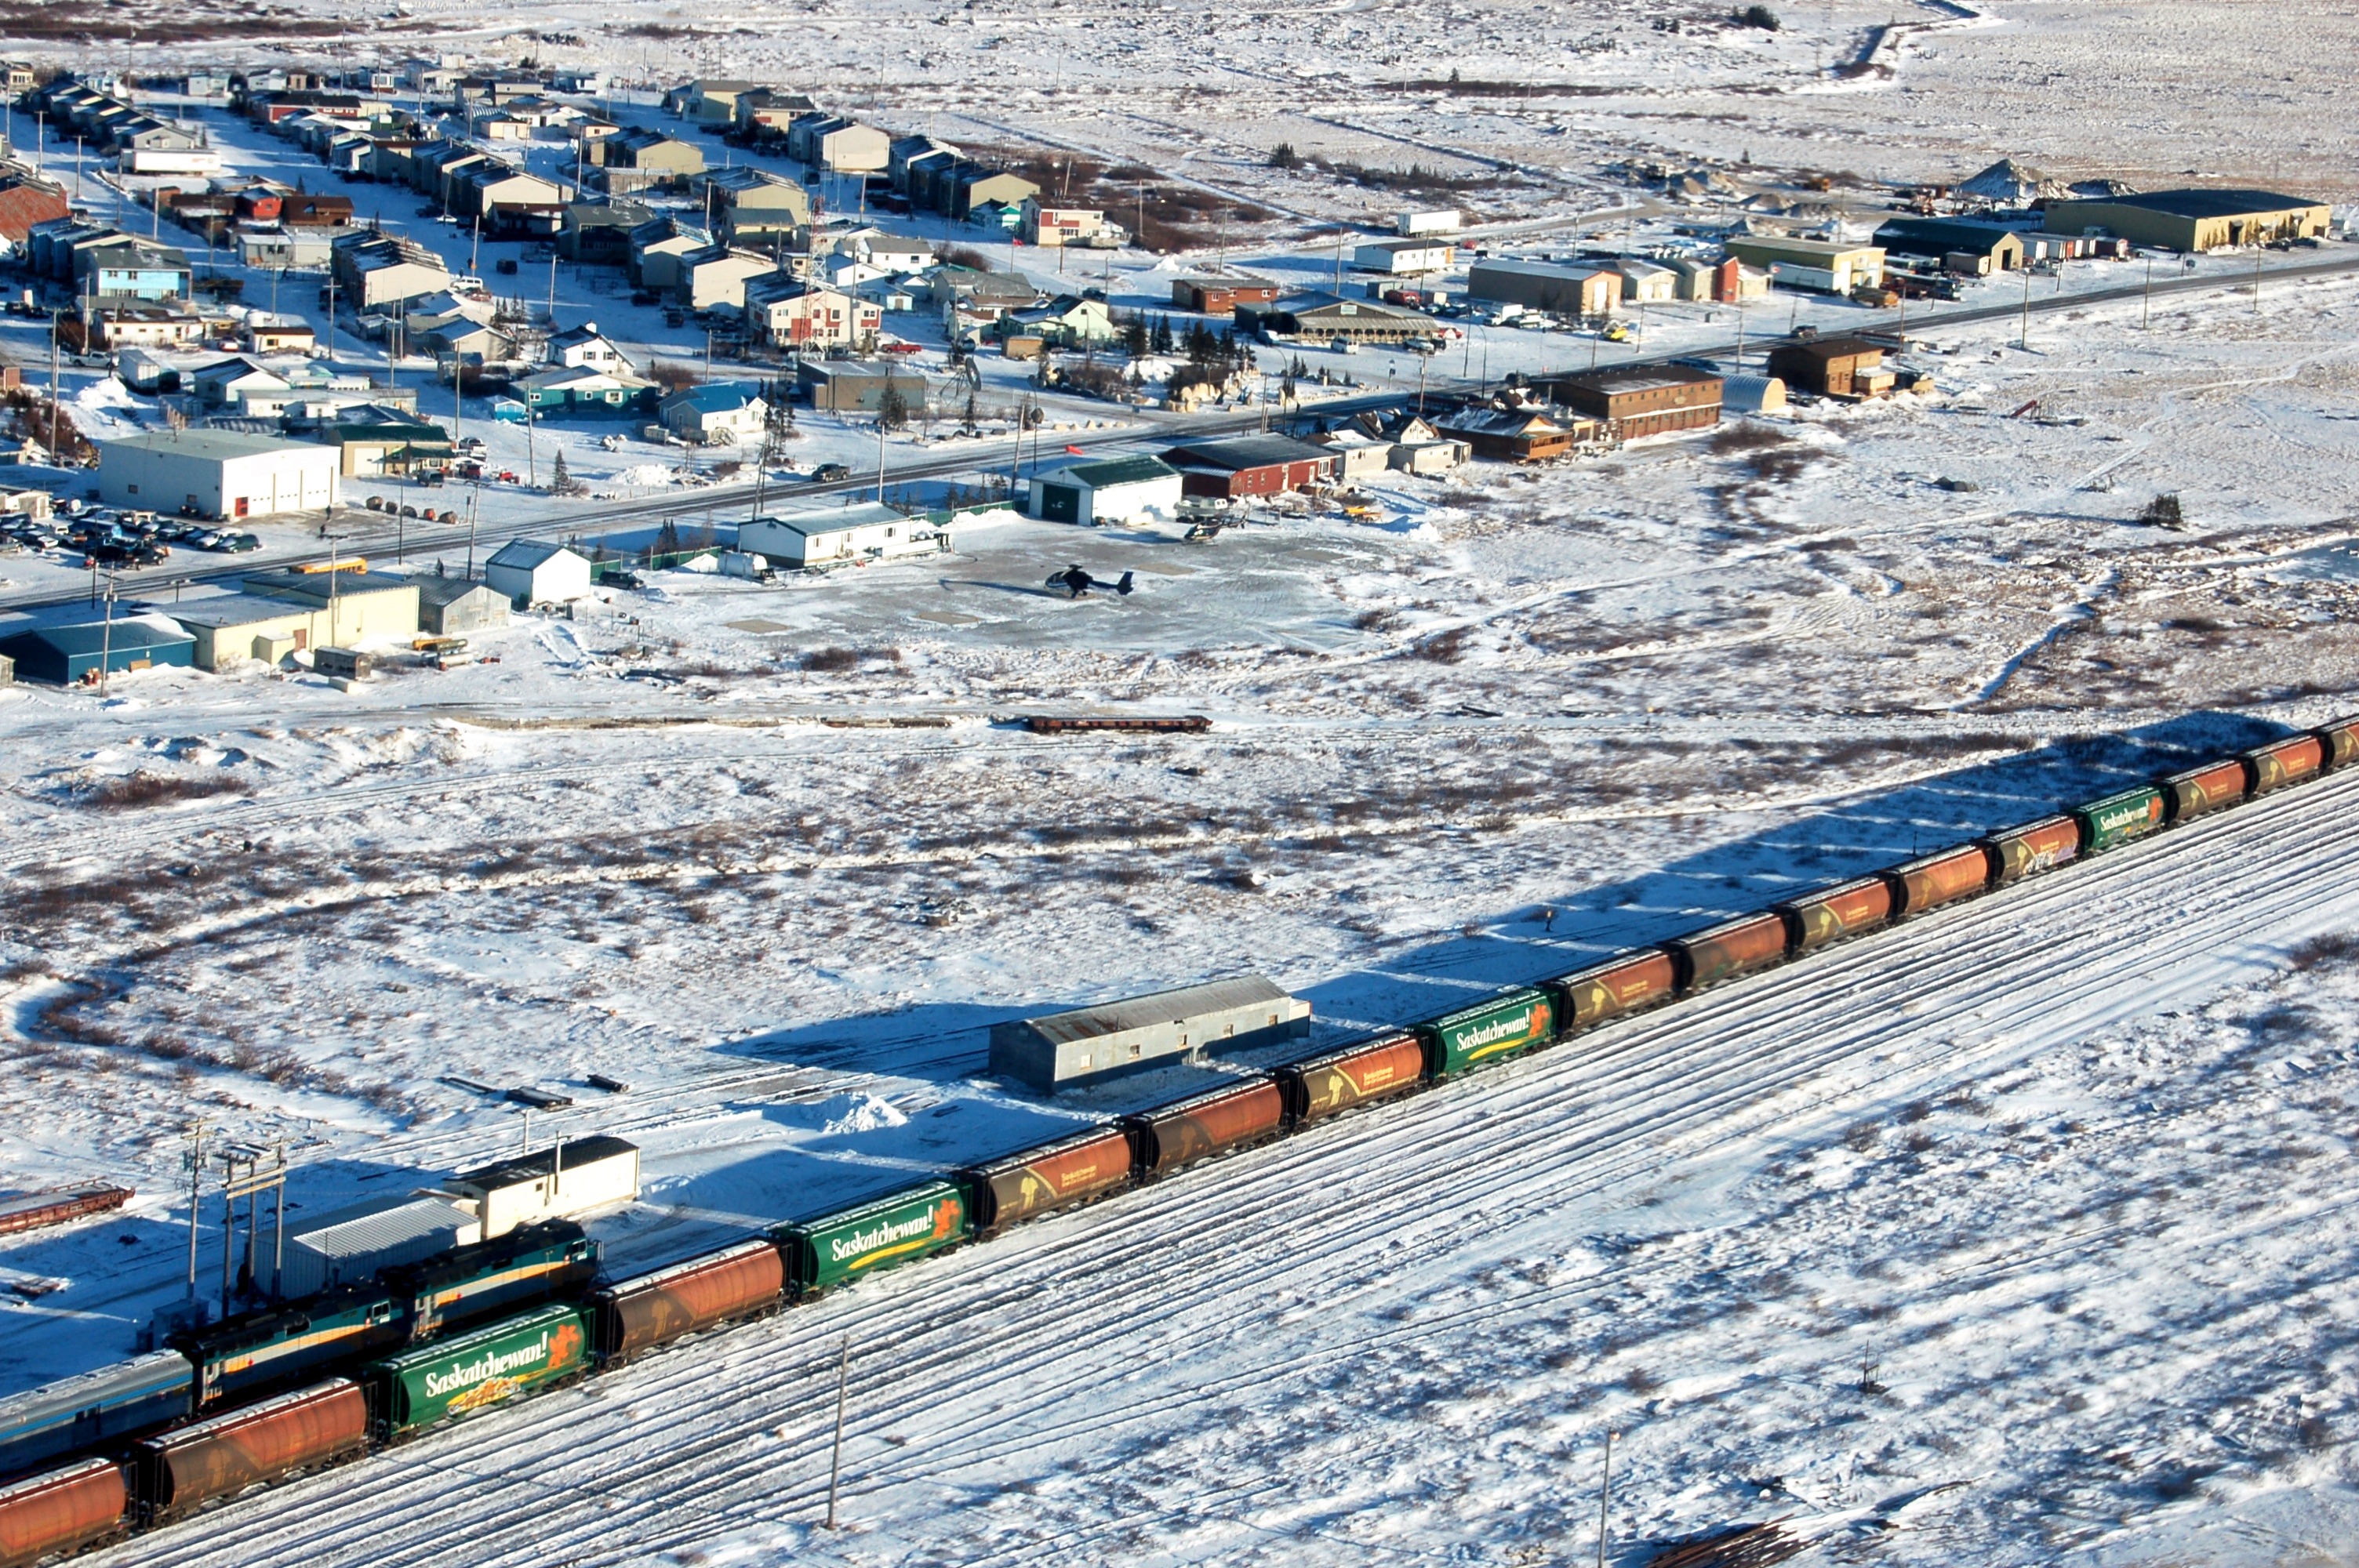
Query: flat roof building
x=64, y=654
x=558, y=1183
x=1546, y=285
x=1822, y=266
x=1643, y=400
x=1088, y=1045
x=1834, y=367
x=2193, y=220
x=219, y=474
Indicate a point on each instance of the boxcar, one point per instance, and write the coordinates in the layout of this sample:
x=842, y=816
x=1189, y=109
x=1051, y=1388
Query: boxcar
x=2121, y=816
x=63, y=1510
x=663, y=1304
x=1351, y=1075
x=2281, y=763
x=1491, y=1031
x=1186, y=1131
x=2207, y=788
x=1931, y=881
x=1624, y=983
x=838, y=1247
x=1048, y=1177
x=467, y=1285
x=1846, y=909
x=1733, y=947
x=262, y=1351
x=174, y=1473
x=2340, y=740
x=74, y=1414
x=2034, y=847
x=456, y=1377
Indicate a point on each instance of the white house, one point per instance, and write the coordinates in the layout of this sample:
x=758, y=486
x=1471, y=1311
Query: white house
x=787, y=310
x=531, y=571
x=848, y=536
x=723, y=414
x=1116, y=490
x=217, y=474
x=584, y=347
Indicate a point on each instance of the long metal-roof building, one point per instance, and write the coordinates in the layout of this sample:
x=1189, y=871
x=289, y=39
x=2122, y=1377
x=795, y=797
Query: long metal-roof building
x=1089, y=1044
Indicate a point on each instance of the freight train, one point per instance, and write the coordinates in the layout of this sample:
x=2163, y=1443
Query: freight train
x=305, y=1384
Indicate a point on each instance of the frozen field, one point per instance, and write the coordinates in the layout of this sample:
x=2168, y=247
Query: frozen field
x=1817, y=1247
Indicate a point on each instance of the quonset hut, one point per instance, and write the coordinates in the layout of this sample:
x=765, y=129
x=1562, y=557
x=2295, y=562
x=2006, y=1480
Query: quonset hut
x=1089, y=1044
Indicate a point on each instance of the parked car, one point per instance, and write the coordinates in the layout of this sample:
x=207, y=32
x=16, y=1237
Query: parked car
x=506, y=266
x=829, y=474
x=238, y=544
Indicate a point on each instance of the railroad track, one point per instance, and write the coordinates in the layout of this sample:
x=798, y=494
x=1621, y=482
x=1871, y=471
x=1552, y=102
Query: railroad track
x=1085, y=1326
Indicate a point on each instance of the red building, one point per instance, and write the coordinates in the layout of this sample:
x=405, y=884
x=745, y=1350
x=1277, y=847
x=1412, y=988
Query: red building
x=1219, y=293
x=260, y=205
x=1249, y=465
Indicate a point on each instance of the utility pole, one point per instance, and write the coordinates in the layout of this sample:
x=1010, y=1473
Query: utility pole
x=552, y=288
x=835, y=1464
x=1605, y=1499
x=53, y=384
x=2146, y=312
x=2257, y=282
x=2023, y=338
x=331, y=312
x=106, y=637
x=195, y=1161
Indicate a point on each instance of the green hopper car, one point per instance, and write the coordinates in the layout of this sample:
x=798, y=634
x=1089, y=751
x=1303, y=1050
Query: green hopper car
x=1511, y=1021
x=457, y=1377
x=836, y=1248
x=2120, y=817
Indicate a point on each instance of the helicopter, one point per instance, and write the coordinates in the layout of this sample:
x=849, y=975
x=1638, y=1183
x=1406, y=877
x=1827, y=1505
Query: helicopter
x=1077, y=582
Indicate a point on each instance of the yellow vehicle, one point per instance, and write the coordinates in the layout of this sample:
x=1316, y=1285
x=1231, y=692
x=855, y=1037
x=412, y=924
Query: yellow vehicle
x=355, y=564
x=1615, y=332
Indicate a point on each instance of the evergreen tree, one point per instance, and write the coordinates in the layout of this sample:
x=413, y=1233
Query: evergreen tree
x=560, y=481
x=893, y=409
x=1162, y=334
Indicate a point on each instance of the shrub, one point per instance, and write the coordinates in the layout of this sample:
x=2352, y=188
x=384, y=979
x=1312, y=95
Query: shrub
x=1759, y=16
x=144, y=788
x=2164, y=511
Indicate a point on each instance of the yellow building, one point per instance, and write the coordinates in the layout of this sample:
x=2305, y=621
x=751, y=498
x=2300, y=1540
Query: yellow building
x=2193, y=220
x=287, y=612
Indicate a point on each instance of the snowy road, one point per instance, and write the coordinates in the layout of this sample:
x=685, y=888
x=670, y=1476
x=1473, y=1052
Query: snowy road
x=1141, y=1381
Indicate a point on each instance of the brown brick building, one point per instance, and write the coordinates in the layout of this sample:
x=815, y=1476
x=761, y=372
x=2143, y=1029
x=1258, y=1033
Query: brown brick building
x=1833, y=367
x=1643, y=400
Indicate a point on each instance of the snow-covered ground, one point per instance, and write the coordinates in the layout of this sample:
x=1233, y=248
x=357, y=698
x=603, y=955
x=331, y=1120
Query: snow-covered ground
x=2019, y=1236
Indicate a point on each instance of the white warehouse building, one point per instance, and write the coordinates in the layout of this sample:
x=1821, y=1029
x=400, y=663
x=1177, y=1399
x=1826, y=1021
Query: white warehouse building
x=848, y=536
x=221, y=474
x=1114, y=490
x=533, y=571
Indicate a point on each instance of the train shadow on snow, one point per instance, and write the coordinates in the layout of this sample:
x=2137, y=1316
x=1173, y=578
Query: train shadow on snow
x=946, y=1042
x=1849, y=838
